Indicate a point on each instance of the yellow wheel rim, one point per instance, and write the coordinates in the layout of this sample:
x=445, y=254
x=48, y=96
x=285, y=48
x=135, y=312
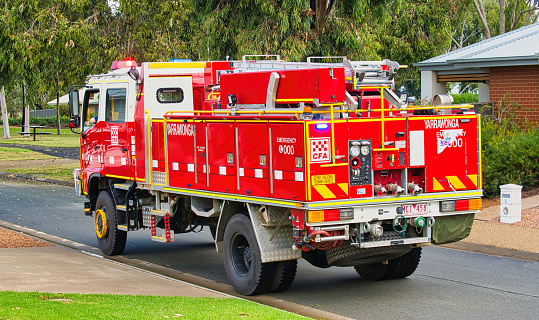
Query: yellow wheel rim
x=100, y=221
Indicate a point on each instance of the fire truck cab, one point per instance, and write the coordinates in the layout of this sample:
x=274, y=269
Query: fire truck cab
x=318, y=160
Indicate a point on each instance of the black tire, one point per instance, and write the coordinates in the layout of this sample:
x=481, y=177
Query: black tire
x=316, y=257
x=285, y=272
x=378, y=271
x=243, y=261
x=408, y=264
x=347, y=256
x=113, y=242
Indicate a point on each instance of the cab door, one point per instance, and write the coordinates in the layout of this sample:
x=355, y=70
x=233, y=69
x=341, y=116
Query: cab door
x=90, y=143
x=114, y=131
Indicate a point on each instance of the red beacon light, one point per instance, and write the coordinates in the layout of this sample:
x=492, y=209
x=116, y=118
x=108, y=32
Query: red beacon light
x=123, y=64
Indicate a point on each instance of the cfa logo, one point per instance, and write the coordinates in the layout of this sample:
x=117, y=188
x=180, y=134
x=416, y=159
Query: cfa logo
x=320, y=149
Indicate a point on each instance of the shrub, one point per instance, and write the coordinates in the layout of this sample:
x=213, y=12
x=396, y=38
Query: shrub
x=466, y=97
x=49, y=122
x=509, y=156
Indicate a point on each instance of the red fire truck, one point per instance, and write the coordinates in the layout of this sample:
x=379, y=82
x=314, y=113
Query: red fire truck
x=318, y=160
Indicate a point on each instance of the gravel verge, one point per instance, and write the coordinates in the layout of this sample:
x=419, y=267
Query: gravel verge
x=11, y=239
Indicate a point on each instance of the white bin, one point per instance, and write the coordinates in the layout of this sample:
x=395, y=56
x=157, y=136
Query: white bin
x=510, y=203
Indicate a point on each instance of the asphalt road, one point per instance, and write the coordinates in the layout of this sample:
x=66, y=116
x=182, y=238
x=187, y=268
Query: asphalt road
x=448, y=284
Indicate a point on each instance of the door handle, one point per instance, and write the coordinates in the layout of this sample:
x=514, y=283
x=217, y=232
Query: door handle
x=124, y=149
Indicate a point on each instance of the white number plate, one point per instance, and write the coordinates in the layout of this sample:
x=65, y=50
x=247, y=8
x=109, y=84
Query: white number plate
x=415, y=209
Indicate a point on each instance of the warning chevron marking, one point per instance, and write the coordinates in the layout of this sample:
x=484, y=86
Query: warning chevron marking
x=473, y=179
x=324, y=191
x=436, y=186
x=344, y=187
x=455, y=181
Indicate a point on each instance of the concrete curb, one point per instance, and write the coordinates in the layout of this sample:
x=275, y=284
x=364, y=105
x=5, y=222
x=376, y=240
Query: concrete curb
x=11, y=175
x=190, y=279
x=494, y=251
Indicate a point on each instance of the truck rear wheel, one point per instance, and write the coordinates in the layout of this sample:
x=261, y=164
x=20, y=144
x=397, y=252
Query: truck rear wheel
x=408, y=264
x=243, y=261
x=111, y=240
x=285, y=272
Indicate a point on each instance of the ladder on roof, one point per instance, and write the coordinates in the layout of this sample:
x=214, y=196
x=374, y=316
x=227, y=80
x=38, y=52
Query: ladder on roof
x=361, y=73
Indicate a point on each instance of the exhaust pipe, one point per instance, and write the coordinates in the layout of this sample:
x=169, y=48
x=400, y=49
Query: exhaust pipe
x=379, y=188
x=396, y=189
x=415, y=188
x=375, y=230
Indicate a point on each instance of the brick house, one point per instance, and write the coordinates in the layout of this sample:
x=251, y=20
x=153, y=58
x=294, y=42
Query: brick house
x=506, y=66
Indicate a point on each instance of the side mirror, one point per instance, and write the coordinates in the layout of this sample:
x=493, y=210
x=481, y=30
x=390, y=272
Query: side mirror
x=74, y=122
x=74, y=104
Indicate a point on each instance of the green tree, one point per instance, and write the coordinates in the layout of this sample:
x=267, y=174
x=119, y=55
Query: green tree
x=54, y=43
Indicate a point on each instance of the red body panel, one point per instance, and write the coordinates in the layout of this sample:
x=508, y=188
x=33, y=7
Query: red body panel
x=158, y=146
x=252, y=145
x=287, y=143
x=328, y=182
x=181, y=161
x=221, y=157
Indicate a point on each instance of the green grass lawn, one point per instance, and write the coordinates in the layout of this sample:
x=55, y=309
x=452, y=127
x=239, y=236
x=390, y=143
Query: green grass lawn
x=62, y=172
x=67, y=139
x=14, y=154
x=43, y=306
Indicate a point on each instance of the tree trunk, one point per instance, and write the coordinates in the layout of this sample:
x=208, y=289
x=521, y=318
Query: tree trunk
x=25, y=123
x=3, y=108
x=59, y=131
x=478, y=4
x=502, y=16
x=320, y=9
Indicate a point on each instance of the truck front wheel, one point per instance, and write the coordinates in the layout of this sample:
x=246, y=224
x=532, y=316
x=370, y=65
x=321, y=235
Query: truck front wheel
x=110, y=239
x=243, y=261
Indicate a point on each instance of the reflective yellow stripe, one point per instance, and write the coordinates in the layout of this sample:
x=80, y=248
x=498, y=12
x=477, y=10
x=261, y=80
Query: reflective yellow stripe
x=119, y=177
x=457, y=184
x=436, y=186
x=324, y=191
x=396, y=199
x=473, y=179
x=234, y=196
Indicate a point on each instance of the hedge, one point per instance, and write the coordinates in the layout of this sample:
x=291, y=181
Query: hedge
x=509, y=156
x=49, y=122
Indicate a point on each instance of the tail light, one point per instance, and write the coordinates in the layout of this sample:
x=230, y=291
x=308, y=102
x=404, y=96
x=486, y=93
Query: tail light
x=330, y=215
x=461, y=205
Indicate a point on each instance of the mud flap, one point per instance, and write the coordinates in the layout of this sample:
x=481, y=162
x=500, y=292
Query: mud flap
x=452, y=228
x=274, y=237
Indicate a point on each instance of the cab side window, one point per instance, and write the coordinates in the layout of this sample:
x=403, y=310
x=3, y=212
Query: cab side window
x=116, y=103
x=90, y=108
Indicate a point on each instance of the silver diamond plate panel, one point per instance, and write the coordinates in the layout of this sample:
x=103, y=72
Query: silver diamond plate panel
x=159, y=178
x=280, y=248
x=147, y=216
